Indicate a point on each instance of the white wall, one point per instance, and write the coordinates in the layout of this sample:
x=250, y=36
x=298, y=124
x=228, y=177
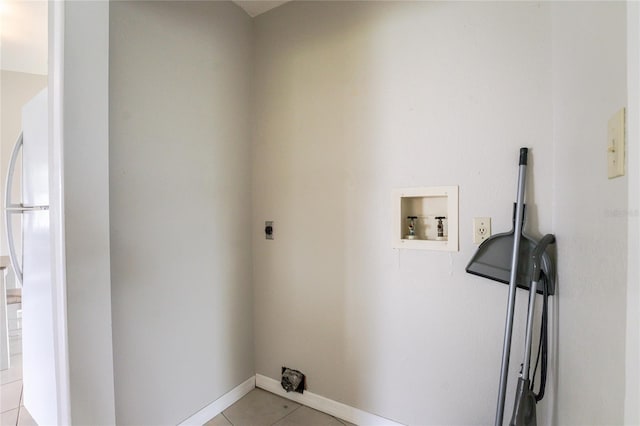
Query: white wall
x=86, y=208
x=632, y=392
x=590, y=211
x=180, y=206
x=354, y=99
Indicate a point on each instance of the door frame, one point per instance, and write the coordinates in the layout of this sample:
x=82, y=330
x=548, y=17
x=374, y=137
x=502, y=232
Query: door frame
x=56, y=207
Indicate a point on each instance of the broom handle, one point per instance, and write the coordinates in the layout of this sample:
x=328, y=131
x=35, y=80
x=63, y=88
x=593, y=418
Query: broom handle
x=529, y=332
x=508, y=327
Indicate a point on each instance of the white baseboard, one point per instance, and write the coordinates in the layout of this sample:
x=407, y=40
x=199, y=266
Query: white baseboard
x=323, y=404
x=221, y=404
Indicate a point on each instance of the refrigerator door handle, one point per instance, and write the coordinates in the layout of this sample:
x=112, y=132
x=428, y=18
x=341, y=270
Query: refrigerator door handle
x=12, y=208
x=21, y=208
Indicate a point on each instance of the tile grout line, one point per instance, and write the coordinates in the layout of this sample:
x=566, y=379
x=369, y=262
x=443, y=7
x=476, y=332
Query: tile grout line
x=20, y=403
x=13, y=381
x=20, y=399
x=223, y=415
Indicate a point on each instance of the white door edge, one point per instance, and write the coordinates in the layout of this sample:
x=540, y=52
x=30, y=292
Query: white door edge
x=58, y=272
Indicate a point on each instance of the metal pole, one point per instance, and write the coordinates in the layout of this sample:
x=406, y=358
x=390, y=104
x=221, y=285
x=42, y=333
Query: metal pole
x=528, y=337
x=508, y=328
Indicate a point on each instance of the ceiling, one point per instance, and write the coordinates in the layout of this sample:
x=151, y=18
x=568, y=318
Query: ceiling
x=256, y=7
x=23, y=32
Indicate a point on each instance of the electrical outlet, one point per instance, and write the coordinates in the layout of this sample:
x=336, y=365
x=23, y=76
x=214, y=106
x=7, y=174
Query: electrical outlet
x=481, y=229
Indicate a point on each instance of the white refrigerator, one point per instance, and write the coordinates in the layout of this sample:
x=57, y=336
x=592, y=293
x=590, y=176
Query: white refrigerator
x=32, y=265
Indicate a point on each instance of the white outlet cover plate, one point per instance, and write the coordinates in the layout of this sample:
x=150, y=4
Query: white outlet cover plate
x=616, y=145
x=481, y=229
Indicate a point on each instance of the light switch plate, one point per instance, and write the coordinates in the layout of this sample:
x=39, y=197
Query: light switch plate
x=616, y=144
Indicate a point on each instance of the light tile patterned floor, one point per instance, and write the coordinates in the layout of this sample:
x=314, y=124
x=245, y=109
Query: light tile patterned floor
x=262, y=408
x=12, y=412
x=257, y=408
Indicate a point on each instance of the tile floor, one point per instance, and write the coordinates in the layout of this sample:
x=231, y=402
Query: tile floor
x=262, y=408
x=12, y=412
x=257, y=408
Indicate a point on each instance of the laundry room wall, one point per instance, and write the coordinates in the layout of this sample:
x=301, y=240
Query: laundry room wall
x=354, y=99
x=632, y=375
x=590, y=211
x=180, y=176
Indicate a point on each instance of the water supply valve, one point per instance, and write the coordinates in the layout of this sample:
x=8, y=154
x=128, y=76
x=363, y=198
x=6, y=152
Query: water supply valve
x=440, y=227
x=412, y=228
